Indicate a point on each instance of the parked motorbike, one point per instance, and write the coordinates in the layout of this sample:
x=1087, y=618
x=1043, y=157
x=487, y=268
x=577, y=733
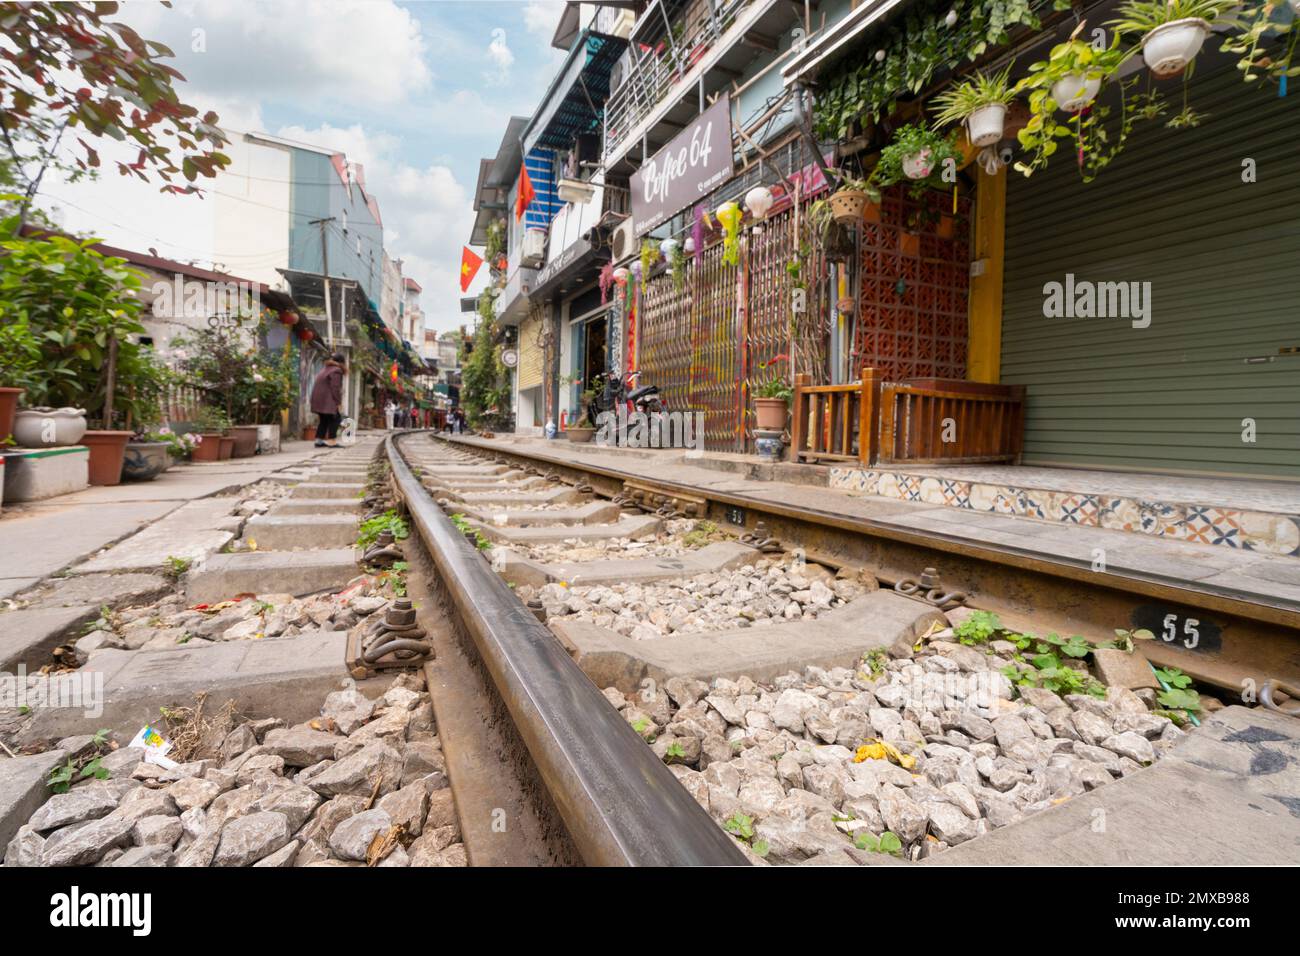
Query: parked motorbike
x=614, y=391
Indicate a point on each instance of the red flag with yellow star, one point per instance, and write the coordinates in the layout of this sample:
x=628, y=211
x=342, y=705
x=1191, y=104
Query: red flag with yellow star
x=526, y=193
x=392, y=373
x=469, y=264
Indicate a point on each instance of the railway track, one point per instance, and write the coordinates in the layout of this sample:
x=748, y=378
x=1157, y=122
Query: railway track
x=545, y=771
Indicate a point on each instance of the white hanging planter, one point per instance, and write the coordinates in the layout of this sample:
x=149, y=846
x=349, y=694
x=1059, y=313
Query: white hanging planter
x=1072, y=93
x=985, y=125
x=1170, y=47
x=918, y=165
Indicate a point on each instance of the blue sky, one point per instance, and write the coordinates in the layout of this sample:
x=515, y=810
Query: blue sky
x=416, y=91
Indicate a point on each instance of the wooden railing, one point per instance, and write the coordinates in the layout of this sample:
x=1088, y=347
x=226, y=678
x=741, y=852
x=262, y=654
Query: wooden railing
x=926, y=421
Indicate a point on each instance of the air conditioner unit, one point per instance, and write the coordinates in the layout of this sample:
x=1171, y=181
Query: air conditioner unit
x=575, y=191
x=534, y=251
x=623, y=242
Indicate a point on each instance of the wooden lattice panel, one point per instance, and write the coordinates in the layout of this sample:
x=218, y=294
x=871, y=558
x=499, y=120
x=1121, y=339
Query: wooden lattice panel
x=913, y=301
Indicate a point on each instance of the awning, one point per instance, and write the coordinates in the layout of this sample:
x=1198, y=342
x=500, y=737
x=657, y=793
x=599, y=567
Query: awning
x=575, y=102
x=840, y=39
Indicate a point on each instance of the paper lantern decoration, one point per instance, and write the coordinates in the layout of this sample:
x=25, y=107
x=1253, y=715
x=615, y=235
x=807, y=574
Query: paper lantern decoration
x=689, y=246
x=636, y=268
x=620, y=275
x=758, y=201
x=668, y=247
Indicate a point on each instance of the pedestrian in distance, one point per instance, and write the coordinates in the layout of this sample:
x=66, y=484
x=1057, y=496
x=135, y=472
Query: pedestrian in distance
x=390, y=413
x=327, y=401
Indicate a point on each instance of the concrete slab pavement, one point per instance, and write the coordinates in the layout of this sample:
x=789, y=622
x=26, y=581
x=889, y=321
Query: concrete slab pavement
x=838, y=638
x=1224, y=796
x=191, y=532
x=23, y=789
x=27, y=637
x=222, y=576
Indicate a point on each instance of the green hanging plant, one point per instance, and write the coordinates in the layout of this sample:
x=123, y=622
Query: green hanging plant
x=914, y=149
x=677, y=265
x=649, y=257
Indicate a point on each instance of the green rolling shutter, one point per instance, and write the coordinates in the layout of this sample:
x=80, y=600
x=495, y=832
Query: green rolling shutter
x=1223, y=260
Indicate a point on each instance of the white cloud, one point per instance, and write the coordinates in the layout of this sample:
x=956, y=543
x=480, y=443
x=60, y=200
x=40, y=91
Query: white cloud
x=498, y=52
x=542, y=16
x=351, y=51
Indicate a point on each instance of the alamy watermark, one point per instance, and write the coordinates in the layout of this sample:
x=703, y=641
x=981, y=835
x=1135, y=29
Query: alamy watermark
x=82, y=690
x=193, y=299
x=1098, y=300
x=653, y=430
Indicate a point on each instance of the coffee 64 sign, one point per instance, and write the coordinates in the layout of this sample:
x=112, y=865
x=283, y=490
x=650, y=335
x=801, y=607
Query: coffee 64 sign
x=697, y=161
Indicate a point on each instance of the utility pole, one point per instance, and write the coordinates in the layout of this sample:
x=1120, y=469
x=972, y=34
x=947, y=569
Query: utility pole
x=325, y=275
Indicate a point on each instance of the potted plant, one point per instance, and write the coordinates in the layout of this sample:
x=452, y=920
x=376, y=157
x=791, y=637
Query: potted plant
x=587, y=402
x=22, y=360
x=1069, y=79
x=979, y=103
x=1172, y=30
x=145, y=458
x=211, y=423
x=849, y=202
x=914, y=155
x=772, y=405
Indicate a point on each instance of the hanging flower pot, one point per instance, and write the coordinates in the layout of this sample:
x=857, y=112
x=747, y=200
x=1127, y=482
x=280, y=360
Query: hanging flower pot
x=1075, y=91
x=1171, y=46
x=847, y=205
x=984, y=126
x=919, y=164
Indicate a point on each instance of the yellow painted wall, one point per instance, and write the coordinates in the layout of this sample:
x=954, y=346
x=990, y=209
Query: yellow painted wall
x=984, y=344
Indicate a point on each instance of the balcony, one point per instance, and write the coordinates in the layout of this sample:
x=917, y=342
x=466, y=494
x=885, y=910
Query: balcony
x=681, y=52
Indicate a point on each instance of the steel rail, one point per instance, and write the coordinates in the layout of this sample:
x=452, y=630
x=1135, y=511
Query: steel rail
x=620, y=803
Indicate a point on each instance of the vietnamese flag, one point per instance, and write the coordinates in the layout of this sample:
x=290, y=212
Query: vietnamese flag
x=526, y=193
x=469, y=263
x=393, y=372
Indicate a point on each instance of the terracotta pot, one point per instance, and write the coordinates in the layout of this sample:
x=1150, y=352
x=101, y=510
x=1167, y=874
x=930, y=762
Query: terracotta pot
x=947, y=227
x=308, y=432
x=107, y=451
x=579, y=434
x=227, y=447
x=847, y=205
x=245, y=437
x=8, y=405
x=209, y=448
x=909, y=243
x=770, y=413
x=871, y=212
x=145, y=461
x=44, y=427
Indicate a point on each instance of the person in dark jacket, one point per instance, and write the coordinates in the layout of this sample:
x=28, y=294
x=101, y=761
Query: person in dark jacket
x=327, y=401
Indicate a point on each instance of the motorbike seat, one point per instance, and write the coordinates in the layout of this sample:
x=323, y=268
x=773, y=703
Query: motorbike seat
x=642, y=392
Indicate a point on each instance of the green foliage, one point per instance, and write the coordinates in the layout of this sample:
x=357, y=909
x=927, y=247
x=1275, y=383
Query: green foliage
x=649, y=257
x=980, y=627
x=71, y=302
x=485, y=381
x=80, y=71
x=1047, y=671
x=875, y=660
x=701, y=533
x=372, y=528
x=245, y=384
x=1265, y=46
x=907, y=142
x=740, y=825
x=495, y=246
x=1177, y=695
x=174, y=567
x=674, y=749
x=1138, y=17
x=956, y=103
x=887, y=842
x=677, y=266
x=62, y=778
x=917, y=47
x=1173, y=677
x=776, y=388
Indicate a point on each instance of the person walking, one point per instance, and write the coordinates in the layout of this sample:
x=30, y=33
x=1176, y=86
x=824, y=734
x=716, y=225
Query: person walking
x=390, y=411
x=327, y=401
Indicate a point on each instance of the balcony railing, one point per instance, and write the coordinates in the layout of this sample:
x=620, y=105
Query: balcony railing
x=654, y=72
x=925, y=421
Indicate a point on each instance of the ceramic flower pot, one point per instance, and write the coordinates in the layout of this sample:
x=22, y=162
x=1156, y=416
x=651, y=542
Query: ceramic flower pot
x=44, y=427
x=847, y=206
x=245, y=437
x=984, y=126
x=107, y=452
x=770, y=413
x=918, y=165
x=208, y=448
x=144, y=461
x=1171, y=46
x=8, y=406
x=1072, y=93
